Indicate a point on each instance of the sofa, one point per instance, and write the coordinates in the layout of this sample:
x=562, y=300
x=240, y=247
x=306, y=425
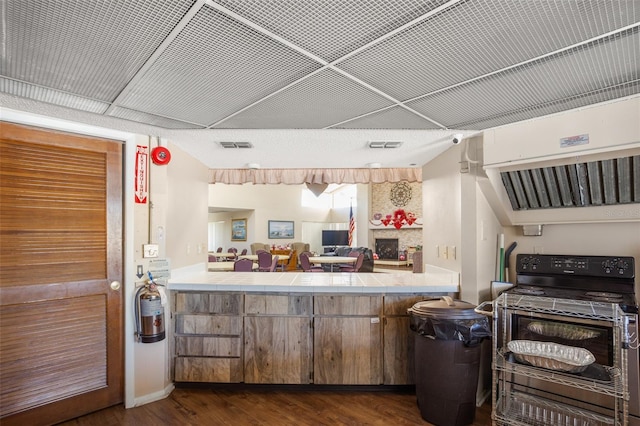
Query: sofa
x=367, y=264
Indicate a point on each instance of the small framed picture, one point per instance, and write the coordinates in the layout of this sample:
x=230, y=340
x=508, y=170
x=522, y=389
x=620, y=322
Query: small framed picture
x=280, y=229
x=238, y=229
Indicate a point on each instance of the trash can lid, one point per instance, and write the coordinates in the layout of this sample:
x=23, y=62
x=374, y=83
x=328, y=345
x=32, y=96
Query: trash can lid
x=445, y=308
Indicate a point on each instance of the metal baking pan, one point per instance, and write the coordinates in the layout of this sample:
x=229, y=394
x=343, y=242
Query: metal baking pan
x=551, y=355
x=563, y=331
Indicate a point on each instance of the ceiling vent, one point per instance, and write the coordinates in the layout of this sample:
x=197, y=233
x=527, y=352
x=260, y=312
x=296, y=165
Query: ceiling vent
x=385, y=144
x=596, y=183
x=236, y=144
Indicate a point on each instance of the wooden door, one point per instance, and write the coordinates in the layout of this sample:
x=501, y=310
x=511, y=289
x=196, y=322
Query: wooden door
x=61, y=322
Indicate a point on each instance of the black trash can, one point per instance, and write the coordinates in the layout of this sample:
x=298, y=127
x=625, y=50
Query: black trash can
x=447, y=334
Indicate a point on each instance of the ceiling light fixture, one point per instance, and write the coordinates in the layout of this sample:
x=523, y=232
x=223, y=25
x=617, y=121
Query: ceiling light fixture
x=374, y=165
x=253, y=166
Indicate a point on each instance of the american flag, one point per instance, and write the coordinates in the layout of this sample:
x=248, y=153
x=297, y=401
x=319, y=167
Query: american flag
x=352, y=225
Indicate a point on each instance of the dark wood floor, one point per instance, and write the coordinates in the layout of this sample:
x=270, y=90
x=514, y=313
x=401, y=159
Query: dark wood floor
x=271, y=407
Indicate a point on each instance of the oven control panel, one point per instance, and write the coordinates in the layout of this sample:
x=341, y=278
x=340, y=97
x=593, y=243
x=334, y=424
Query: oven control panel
x=595, y=266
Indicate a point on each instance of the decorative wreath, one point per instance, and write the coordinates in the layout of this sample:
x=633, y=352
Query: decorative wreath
x=400, y=194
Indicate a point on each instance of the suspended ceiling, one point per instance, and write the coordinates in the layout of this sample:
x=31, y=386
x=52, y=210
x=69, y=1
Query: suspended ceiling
x=343, y=73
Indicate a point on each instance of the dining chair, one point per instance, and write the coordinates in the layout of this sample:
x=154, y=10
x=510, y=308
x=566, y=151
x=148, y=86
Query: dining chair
x=274, y=264
x=355, y=267
x=306, y=264
x=352, y=253
x=234, y=251
x=213, y=258
x=264, y=261
x=243, y=252
x=219, y=250
x=243, y=265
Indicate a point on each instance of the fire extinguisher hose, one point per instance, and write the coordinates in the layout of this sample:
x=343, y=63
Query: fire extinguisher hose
x=136, y=309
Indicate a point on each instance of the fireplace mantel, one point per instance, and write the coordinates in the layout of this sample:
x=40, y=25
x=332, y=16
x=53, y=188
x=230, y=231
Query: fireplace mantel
x=377, y=224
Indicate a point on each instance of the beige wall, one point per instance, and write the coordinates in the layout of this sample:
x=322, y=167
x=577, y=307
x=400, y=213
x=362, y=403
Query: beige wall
x=187, y=210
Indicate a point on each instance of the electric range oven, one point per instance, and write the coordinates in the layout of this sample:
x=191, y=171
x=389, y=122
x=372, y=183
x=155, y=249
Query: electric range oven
x=574, y=287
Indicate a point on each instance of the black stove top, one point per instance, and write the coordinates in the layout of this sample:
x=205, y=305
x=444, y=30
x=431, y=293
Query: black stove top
x=605, y=279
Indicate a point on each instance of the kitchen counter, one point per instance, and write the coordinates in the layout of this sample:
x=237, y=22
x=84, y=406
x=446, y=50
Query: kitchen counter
x=434, y=279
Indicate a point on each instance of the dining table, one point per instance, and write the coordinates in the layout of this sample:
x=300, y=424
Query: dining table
x=332, y=260
x=282, y=259
x=223, y=256
x=224, y=266
x=254, y=257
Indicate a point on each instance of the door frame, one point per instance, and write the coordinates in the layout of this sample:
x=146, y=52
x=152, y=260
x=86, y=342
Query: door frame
x=128, y=284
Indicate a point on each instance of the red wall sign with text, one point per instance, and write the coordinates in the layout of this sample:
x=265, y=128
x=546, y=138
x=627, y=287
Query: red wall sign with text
x=142, y=162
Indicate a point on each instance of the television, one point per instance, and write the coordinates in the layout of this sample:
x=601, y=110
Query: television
x=335, y=238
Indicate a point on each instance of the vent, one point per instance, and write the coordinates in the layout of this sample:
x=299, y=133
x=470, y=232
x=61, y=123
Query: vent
x=596, y=183
x=385, y=144
x=236, y=144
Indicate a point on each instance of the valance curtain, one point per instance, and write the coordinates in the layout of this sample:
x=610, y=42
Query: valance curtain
x=313, y=176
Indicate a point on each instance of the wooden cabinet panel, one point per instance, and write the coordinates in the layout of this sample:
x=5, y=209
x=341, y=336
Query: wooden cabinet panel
x=347, y=305
x=208, y=346
x=261, y=304
x=397, y=304
x=277, y=349
x=209, y=370
x=347, y=350
x=209, y=303
x=398, y=351
x=209, y=324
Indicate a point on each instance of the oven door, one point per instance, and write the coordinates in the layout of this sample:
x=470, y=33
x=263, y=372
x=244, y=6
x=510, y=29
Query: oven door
x=593, y=335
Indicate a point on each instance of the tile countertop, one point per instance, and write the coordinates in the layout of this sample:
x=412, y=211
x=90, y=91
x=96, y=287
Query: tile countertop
x=433, y=280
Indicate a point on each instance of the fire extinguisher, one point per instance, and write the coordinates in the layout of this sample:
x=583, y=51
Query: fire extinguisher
x=149, y=312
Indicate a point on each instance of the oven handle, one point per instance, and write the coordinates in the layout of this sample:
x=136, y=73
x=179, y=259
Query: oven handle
x=480, y=309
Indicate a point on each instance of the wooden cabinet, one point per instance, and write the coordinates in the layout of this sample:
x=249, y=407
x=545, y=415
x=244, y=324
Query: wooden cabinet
x=208, y=337
x=292, y=263
x=347, y=344
x=277, y=339
x=288, y=338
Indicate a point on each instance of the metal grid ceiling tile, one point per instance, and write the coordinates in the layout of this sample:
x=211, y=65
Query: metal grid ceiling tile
x=549, y=82
x=314, y=103
x=390, y=118
x=213, y=68
x=330, y=28
x=476, y=38
x=154, y=120
x=86, y=47
x=598, y=96
x=42, y=94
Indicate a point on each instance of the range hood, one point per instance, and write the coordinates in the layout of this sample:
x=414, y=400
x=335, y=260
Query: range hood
x=596, y=183
x=579, y=167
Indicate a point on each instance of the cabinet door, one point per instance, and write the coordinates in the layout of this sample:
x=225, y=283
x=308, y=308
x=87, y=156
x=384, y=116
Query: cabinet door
x=277, y=349
x=347, y=350
x=398, y=351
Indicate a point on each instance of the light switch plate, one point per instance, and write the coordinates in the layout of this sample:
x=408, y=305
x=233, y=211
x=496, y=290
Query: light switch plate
x=150, y=250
